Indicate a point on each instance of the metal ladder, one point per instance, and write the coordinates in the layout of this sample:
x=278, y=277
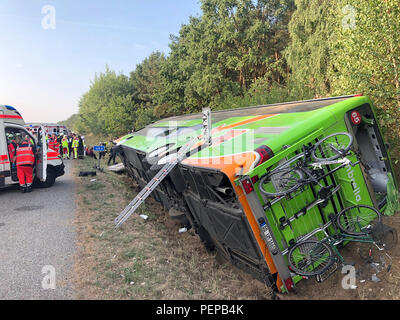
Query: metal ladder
x=158, y=178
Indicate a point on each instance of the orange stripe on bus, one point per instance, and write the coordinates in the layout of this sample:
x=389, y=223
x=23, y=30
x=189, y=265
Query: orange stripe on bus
x=242, y=123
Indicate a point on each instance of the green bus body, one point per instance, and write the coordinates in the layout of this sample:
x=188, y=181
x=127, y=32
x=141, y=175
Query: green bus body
x=224, y=213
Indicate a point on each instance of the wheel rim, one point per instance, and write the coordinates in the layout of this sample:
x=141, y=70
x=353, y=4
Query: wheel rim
x=333, y=147
x=283, y=181
x=310, y=258
x=359, y=220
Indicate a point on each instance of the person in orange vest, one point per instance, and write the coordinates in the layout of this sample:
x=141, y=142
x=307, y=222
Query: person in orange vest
x=12, y=147
x=25, y=160
x=57, y=143
x=53, y=143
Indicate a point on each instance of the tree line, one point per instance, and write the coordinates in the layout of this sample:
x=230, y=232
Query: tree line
x=250, y=52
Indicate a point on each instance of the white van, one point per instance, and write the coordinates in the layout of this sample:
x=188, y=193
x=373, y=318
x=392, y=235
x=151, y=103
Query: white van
x=49, y=164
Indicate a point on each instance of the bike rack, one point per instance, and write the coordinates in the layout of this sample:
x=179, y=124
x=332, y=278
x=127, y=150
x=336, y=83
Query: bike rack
x=267, y=234
x=308, y=207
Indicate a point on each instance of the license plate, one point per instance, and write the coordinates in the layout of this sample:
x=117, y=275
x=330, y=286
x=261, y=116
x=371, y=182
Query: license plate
x=327, y=273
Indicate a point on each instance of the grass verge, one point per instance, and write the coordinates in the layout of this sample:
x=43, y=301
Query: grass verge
x=144, y=259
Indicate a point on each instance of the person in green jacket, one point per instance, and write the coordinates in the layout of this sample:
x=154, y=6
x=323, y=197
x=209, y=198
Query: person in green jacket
x=75, y=145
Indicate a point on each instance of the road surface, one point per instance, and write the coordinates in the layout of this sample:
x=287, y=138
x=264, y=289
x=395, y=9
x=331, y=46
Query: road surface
x=37, y=241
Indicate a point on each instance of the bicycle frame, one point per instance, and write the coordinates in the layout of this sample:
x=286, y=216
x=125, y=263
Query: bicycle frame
x=301, y=164
x=342, y=237
x=318, y=165
x=310, y=178
x=334, y=240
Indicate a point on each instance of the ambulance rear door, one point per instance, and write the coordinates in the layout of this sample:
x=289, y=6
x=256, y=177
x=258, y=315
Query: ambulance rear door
x=4, y=162
x=41, y=164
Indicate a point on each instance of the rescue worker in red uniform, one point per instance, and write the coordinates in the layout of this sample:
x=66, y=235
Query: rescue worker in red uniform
x=12, y=147
x=25, y=160
x=53, y=144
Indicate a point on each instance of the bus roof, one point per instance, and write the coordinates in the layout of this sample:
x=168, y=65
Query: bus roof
x=286, y=107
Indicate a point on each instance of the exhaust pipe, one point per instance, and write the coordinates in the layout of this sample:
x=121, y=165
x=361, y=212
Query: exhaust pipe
x=228, y=191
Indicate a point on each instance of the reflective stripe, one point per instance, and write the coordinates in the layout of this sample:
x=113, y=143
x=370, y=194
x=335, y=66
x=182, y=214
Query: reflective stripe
x=10, y=117
x=25, y=156
x=52, y=154
x=54, y=145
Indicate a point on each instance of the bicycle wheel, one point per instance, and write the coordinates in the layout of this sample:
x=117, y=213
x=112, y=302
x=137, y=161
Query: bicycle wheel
x=332, y=147
x=359, y=220
x=285, y=181
x=310, y=258
x=291, y=163
x=389, y=238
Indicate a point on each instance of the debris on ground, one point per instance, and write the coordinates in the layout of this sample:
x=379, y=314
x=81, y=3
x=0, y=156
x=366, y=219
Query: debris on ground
x=117, y=168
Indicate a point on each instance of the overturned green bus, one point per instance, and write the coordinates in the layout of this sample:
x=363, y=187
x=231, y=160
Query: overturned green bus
x=276, y=176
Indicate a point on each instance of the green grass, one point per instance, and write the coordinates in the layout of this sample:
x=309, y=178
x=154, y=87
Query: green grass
x=95, y=186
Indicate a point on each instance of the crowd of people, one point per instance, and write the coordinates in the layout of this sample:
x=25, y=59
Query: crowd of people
x=71, y=146
x=23, y=152
x=110, y=147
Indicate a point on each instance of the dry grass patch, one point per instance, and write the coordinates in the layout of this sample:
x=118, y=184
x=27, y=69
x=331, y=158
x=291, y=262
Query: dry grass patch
x=144, y=259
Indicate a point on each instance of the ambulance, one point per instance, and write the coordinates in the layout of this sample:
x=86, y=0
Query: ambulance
x=49, y=164
x=49, y=129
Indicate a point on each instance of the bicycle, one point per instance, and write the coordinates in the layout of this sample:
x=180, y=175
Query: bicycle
x=295, y=173
x=360, y=223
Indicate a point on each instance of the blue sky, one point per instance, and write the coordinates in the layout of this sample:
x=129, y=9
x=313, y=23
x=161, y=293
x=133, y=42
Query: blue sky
x=43, y=73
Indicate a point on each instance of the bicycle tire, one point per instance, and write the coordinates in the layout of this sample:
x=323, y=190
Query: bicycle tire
x=354, y=222
x=286, y=164
x=308, y=253
x=343, y=149
x=389, y=239
x=282, y=188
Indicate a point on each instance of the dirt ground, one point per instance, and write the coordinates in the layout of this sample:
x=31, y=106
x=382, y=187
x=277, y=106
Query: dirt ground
x=149, y=259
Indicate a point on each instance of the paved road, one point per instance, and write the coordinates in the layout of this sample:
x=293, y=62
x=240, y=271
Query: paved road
x=36, y=238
